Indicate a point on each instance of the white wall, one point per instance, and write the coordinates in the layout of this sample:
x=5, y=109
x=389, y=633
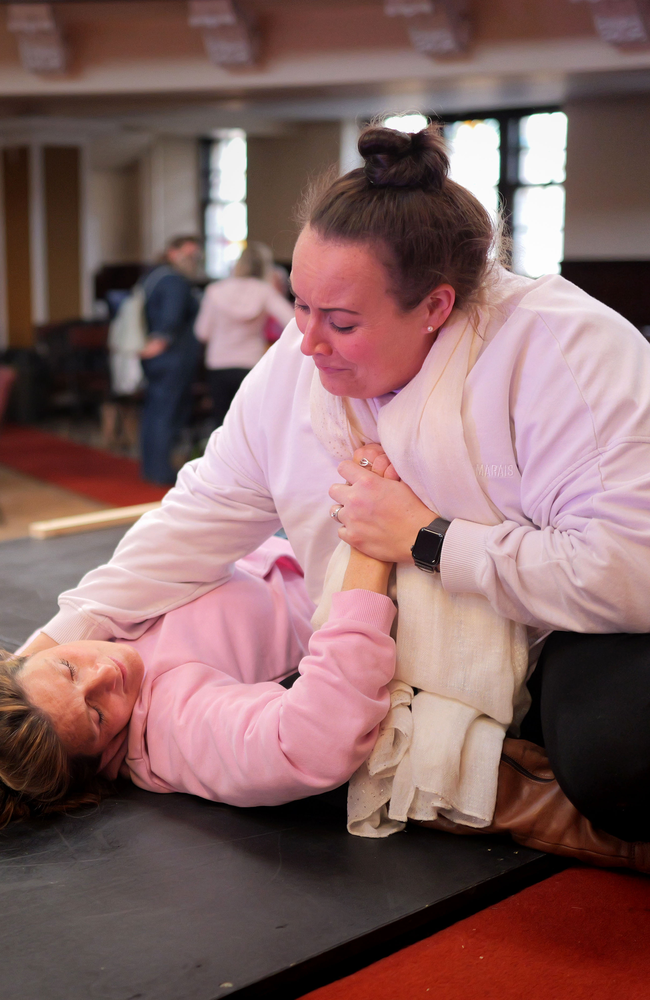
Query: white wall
x=280, y=168
x=349, y=156
x=113, y=209
x=169, y=192
x=608, y=180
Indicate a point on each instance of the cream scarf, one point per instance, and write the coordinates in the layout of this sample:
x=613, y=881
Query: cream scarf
x=461, y=667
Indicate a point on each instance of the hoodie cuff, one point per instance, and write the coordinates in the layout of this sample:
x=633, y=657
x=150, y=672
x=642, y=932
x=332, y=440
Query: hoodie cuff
x=463, y=557
x=71, y=625
x=363, y=606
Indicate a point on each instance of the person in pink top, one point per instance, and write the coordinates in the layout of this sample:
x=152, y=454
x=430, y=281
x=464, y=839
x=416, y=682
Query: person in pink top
x=196, y=703
x=231, y=323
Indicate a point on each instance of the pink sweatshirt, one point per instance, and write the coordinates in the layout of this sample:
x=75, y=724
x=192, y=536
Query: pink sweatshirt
x=211, y=718
x=232, y=317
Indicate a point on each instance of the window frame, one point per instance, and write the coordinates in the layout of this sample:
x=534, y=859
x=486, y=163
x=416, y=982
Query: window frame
x=509, y=150
x=205, y=149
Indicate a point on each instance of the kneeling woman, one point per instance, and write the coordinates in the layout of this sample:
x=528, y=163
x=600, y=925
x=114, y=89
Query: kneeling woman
x=196, y=704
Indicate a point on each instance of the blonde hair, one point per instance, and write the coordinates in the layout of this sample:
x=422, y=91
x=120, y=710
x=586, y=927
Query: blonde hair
x=255, y=261
x=37, y=774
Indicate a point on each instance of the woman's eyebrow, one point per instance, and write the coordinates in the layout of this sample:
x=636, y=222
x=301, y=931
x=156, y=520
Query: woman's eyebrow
x=329, y=309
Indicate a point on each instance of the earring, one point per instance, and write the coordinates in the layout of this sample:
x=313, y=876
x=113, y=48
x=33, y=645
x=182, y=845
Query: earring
x=429, y=329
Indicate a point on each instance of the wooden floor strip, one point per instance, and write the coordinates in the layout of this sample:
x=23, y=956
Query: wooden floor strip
x=110, y=518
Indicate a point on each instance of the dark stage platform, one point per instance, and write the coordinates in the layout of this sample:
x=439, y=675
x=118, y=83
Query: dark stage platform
x=162, y=897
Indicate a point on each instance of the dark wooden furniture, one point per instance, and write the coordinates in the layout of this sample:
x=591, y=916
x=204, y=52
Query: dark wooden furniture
x=622, y=284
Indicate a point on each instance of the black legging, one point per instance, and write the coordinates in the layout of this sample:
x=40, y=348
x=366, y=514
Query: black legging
x=224, y=383
x=591, y=711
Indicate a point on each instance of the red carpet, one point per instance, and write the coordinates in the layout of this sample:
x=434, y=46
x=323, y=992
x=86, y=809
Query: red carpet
x=93, y=473
x=581, y=935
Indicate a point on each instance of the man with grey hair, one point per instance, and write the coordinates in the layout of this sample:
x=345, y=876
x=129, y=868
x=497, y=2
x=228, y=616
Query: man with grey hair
x=171, y=354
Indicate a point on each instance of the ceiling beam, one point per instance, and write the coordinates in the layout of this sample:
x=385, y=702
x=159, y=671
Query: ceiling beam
x=623, y=23
x=40, y=42
x=436, y=27
x=229, y=37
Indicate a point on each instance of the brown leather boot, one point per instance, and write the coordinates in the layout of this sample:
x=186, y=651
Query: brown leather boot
x=534, y=810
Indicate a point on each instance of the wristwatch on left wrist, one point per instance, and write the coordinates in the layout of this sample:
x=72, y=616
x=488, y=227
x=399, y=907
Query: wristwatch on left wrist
x=427, y=550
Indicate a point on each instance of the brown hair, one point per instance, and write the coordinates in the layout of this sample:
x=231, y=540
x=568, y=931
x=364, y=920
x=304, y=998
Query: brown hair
x=179, y=241
x=428, y=229
x=37, y=775
x=255, y=261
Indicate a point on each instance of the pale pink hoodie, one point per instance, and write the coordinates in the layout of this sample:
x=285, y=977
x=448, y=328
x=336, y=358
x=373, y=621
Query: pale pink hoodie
x=232, y=317
x=211, y=718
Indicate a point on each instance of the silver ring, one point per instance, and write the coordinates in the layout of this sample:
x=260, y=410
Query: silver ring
x=335, y=513
x=365, y=464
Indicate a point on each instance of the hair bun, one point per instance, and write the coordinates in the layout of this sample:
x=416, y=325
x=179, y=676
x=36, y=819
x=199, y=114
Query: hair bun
x=405, y=160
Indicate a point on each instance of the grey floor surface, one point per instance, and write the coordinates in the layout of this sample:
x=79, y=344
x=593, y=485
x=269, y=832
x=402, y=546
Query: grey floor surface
x=33, y=573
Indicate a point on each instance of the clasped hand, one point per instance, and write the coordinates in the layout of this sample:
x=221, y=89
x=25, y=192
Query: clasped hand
x=379, y=514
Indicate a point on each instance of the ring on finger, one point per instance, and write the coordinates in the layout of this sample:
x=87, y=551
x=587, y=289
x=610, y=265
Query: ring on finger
x=335, y=512
x=365, y=464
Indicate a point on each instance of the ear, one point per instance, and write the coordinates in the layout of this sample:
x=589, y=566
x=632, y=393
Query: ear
x=439, y=304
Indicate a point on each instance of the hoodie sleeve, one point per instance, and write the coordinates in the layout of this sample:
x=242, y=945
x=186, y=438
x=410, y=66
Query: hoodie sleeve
x=259, y=744
x=278, y=307
x=577, y=378
x=220, y=510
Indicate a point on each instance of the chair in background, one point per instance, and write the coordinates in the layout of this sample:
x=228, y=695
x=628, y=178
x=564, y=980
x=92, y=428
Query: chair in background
x=7, y=379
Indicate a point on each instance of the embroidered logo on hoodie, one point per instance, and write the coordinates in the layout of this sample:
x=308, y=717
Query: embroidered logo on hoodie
x=494, y=471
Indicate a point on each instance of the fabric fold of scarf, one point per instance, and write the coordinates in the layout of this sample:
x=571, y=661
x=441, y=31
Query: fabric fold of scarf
x=461, y=667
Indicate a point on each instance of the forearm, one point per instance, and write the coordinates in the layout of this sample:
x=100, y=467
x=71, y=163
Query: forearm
x=594, y=580
x=258, y=744
x=219, y=511
x=39, y=642
x=366, y=573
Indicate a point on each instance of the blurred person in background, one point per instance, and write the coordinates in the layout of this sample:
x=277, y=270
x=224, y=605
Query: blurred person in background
x=171, y=354
x=231, y=322
x=280, y=281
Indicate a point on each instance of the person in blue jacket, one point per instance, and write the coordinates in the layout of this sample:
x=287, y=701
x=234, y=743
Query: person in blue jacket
x=170, y=356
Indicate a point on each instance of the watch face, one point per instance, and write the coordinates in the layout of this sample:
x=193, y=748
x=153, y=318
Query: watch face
x=427, y=547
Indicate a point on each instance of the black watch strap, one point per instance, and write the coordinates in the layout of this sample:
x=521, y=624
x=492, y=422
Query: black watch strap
x=427, y=550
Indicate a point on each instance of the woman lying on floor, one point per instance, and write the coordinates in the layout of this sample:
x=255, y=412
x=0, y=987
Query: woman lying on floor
x=196, y=704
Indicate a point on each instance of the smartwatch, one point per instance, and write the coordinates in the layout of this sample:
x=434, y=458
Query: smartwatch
x=428, y=545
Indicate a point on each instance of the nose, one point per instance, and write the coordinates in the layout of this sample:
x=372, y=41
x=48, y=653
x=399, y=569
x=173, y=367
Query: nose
x=312, y=339
x=102, y=677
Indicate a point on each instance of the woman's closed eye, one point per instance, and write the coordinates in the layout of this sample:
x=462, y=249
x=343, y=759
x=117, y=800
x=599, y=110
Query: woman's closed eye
x=73, y=670
x=73, y=675
x=301, y=307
